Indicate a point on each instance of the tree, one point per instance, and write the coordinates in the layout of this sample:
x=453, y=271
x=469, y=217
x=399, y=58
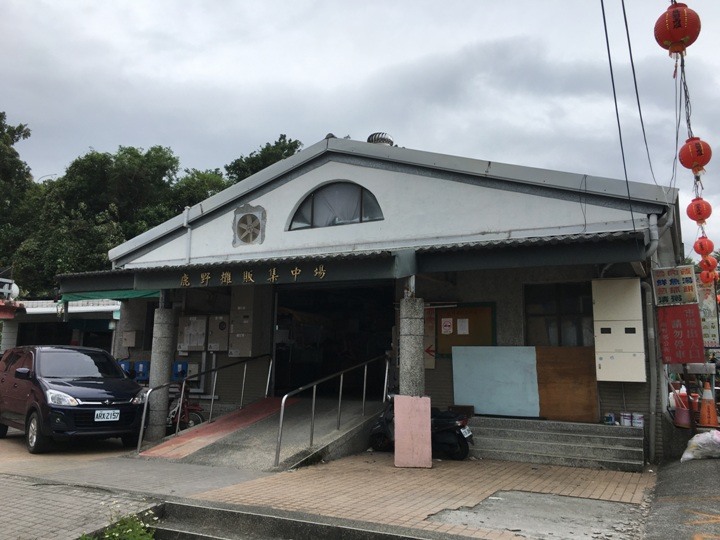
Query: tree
x=102, y=200
x=137, y=182
x=69, y=224
x=67, y=243
x=194, y=187
x=15, y=181
x=246, y=166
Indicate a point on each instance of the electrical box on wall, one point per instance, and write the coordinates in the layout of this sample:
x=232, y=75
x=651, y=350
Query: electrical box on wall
x=193, y=368
x=240, y=345
x=218, y=332
x=618, y=329
x=129, y=339
x=242, y=307
x=192, y=332
x=250, y=332
x=620, y=367
x=242, y=300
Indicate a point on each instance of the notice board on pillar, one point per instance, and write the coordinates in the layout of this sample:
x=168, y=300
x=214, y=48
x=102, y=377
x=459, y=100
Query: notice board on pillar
x=464, y=326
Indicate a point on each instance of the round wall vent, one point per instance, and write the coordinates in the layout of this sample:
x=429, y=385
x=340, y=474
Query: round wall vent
x=249, y=225
x=248, y=228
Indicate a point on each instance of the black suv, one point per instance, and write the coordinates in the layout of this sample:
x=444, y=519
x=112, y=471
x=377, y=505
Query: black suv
x=60, y=393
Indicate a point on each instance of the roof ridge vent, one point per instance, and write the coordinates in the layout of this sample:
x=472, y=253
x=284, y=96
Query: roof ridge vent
x=381, y=138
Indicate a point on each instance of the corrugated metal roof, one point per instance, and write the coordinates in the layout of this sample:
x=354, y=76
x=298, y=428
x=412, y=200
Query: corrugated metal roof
x=537, y=241
x=455, y=246
x=234, y=263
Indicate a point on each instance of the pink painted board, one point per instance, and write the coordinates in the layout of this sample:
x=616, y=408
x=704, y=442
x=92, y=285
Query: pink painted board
x=412, y=432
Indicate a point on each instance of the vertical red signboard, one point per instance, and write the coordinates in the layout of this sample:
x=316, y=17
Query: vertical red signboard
x=681, y=336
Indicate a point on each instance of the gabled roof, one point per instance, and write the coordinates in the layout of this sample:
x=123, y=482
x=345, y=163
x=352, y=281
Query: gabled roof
x=641, y=198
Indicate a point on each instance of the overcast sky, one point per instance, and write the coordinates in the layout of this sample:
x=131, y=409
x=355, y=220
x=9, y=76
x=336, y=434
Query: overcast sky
x=521, y=81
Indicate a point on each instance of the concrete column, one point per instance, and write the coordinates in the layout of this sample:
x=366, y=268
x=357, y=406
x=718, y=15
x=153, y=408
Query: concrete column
x=161, y=359
x=410, y=342
x=9, y=334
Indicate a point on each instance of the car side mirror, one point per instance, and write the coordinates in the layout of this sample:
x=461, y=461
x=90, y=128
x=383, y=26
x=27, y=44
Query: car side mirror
x=23, y=373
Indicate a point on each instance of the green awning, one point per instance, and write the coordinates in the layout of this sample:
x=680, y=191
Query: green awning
x=109, y=295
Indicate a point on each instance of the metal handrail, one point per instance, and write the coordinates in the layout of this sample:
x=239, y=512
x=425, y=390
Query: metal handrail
x=314, y=386
x=212, y=395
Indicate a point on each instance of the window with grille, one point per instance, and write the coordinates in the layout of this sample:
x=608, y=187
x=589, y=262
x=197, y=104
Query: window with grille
x=339, y=203
x=559, y=315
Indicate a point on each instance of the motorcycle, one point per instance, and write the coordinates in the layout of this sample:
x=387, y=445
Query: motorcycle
x=449, y=434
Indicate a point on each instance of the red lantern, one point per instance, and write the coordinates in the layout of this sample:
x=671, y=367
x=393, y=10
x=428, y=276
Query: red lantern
x=695, y=154
x=708, y=263
x=718, y=298
x=699, y=210
x=703, y=246
x=708, y=277
x=677, y=28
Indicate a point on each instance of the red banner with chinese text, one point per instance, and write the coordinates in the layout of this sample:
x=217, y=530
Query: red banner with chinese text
x=680, y=334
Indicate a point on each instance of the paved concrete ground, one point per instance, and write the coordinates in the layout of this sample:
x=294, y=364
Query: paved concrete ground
x=80, y=488
x=686, y=502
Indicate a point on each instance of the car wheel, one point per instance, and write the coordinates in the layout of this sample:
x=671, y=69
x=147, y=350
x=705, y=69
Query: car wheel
x=3, y=431
x=130, y=441
x=35, y=440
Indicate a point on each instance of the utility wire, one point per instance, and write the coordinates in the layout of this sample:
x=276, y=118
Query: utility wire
x=637, y=99
x=617, y=113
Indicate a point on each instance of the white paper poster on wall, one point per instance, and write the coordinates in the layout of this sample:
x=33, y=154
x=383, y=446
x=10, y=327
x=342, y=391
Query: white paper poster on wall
x=463, y=327
x=497, y=380
x=707, y=300
x=446, y=326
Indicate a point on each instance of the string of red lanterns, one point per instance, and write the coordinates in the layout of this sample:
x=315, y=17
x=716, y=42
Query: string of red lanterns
x=675, y=30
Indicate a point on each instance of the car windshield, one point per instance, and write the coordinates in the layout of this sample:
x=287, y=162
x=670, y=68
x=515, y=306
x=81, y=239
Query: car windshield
x=78, y=364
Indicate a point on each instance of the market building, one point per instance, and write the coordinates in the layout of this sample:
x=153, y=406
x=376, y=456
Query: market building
x=518, y=291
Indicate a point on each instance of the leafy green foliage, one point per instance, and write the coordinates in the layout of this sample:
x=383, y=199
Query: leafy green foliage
x=194, y=187
x=68, y=225
x=131, y=179
x=102, y=200
x=246, y=166
x=15, y=181
x=127, y=528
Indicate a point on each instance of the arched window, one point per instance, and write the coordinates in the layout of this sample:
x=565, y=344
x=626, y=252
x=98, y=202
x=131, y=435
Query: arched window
x=338, y=203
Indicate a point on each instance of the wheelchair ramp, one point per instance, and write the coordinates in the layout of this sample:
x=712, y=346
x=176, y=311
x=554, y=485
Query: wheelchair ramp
x=247, y=438
x=190, y=441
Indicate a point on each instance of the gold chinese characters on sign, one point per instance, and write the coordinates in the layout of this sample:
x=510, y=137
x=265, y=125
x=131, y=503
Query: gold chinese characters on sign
x=226, y=277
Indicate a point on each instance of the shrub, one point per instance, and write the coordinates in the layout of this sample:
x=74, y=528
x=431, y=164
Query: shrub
x=126, y=528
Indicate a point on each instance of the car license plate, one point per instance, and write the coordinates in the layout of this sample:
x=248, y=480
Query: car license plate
x=466, y=432
x=109, y=415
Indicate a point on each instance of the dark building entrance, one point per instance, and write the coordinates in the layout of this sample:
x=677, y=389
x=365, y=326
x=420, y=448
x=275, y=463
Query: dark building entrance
x=320, y=331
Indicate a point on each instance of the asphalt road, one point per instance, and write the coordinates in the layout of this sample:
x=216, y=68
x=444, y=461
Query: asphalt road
x=686, y=503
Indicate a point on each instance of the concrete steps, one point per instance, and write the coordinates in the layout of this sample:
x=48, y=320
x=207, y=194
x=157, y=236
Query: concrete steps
x=571, y=444
x=179, y=521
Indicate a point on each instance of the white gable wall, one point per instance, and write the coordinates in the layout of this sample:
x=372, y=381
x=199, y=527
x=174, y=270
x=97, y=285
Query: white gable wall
x=418, y=210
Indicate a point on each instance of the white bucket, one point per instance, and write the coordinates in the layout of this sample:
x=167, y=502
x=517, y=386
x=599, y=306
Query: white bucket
x=638, y=420
x=625, y=419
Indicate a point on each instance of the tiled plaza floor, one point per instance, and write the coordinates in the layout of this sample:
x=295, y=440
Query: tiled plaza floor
x=369, y=488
